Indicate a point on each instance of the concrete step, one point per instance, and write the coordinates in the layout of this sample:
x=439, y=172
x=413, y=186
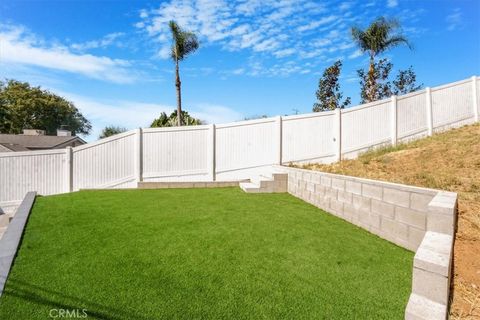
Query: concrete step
x=263, y=182
x=421, y=308
x=277, y=176
x=250, y=187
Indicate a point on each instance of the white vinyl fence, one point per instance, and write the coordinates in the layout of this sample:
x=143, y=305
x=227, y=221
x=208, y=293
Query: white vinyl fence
x=236, y=150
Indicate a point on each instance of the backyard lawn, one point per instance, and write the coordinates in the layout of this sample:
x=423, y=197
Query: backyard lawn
x=203, y=254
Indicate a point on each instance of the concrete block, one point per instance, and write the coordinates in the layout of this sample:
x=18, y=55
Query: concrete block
x=319, y=189
x=361, y=203
x=420, y=201
x=430, y=285
x=345, y=197
x=444, y=203
x=338, y=184
x=372, y=191
x=435, y=253
x=396, y=197
x=383, y=209
x=199, y=184
x=310, y=186
x=353, y=187
x=325, y=181
x=411, y=217
x=316, y=177
x=331, y=193
x=442, y=213
x=441, y=223
x=394, y=229
x=421, y=308
x=415, y=237
x=336, y=206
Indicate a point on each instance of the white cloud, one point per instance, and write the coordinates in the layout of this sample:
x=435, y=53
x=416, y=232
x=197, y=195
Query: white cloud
x=315, y=24
x=106, y=41
x=284, y=52
x=454, y=20
x=260, y=27
x=22, y=48
x=355, y=54
x=392, y=3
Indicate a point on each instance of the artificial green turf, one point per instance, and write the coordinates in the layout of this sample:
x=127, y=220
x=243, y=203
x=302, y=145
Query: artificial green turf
x=201, y=254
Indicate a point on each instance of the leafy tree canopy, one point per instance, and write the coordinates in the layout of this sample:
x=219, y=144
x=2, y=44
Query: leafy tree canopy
x=328, y=94
x=25, y=107
x=405, y=81
x=110, y=131
x=171, y=121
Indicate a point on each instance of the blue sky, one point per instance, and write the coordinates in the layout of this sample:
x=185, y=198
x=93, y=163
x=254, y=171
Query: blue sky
x=256, y=57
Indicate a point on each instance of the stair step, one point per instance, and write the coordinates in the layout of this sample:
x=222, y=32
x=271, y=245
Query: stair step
x=421, y=308
x=263, y=182
x=250, y=187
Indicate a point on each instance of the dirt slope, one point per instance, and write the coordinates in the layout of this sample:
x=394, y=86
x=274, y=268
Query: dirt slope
x=448, y=161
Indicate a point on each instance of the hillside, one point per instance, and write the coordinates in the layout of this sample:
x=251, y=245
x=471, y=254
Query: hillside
x=448, y=161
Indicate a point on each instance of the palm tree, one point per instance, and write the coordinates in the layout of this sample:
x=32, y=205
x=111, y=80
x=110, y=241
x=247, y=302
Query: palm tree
x=184, y=43
x=380, y=36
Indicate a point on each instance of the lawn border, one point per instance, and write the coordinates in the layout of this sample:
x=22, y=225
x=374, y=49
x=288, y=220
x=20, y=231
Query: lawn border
x=419, y=219
x=10, y=241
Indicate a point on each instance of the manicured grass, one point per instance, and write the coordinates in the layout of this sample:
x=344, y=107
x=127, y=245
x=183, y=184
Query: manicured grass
x=201, y=254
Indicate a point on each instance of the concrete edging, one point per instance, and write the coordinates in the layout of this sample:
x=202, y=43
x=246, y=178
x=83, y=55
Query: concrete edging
x=419, y=219
x=11, y=239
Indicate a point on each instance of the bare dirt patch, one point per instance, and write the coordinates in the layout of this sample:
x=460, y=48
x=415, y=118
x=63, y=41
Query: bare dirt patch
x=448, y=161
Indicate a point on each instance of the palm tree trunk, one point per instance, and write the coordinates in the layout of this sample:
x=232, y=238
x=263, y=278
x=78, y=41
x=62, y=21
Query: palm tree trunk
x=371, y=91
x=179, y=94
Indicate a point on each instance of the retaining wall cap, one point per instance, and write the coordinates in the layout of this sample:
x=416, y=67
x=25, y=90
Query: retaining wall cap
x=443, y=202
x=420, y=307
x=397, y=186
x=434, y=253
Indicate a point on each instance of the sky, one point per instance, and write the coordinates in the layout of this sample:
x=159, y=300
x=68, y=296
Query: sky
x=111, y=58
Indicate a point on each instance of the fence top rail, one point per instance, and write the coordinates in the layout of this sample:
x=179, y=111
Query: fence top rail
x=367, y=105
x=308, y=115
x=451, y=84
x=246, y=123
x=411, y=94
x=104, y=140
x=31, y=153
x=171, y=129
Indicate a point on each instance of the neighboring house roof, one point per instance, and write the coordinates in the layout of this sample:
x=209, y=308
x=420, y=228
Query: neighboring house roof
x=37, y=142
x=14, y=147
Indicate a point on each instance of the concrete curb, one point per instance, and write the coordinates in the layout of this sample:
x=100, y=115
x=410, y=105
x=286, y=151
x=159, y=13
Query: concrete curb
x=11, y=239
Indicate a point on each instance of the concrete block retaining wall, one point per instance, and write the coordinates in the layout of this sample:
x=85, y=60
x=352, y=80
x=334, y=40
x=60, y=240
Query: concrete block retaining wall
x=418, y=219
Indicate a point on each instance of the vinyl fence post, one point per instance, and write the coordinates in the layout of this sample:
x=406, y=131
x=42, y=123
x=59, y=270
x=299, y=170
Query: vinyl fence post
x=138, y=155
x=475, y=98
x=68, y=169
x=394, y=122
x=279, y=123
x=429, y=111
x=211, y=153
x=338, y=134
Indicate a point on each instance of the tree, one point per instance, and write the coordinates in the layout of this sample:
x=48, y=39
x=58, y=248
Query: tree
x=377, y=38
x=328, y=94
x=380, y=75
x=25, y=107
x=184, y=43
x=110, y=131
x=172, y=120
x=406, y=82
